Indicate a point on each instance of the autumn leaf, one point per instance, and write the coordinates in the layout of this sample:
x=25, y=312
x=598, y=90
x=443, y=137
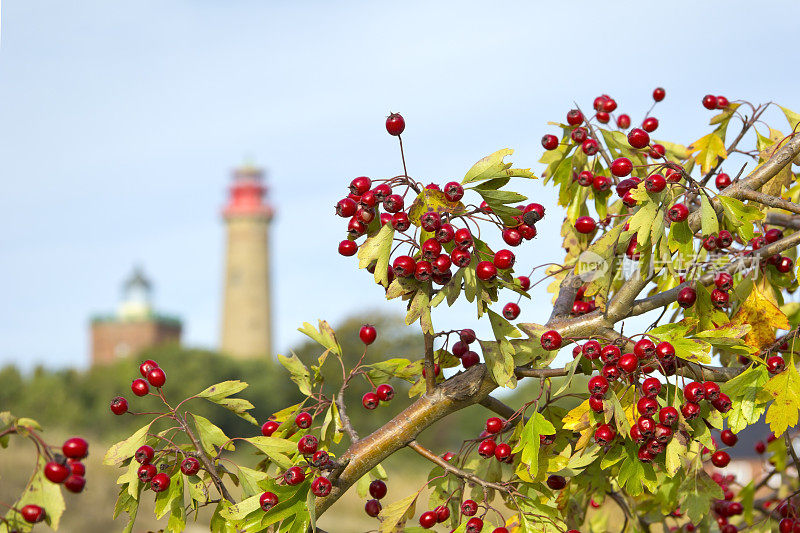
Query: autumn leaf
x=708, y=149
x=785, y=388
x=763, y=316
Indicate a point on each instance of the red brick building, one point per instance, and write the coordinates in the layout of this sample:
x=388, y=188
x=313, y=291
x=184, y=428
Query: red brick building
x=134, y=327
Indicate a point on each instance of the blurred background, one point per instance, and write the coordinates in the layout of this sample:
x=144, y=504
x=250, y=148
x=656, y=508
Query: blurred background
x=169, y=170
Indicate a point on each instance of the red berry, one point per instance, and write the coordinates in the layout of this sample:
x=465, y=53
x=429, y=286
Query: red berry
x=269, y=427
x=460, y=258
x=776, y=364
x=596, y=403
x=638, y=138
x=502, y=451
x=690, y=410
x=307, y=444
x=722, y=102
x=628, y=363
x=504, y=259
x=140, y=387
x=728, y=438
x=392, y=204
x=655, y=183
x=650, y=124
x=294, y=476
x=370, y=401
x=367, y=334
x=678, y=213
x=551, y=340
x=574, y=117
x=469, y=508
x=610, y=354
x=470, y=359
x=722, y=180
x=585, y=225
x=662, y=433
x=321, y=487
x=694, y=392
x=267, y=501
x=303, y=420
x=646, y=425
x=190, y=466
x=119, y=405
x=647, y=406
x=75, y=484
x=591, y=349
x=144, y=455
x=598, y=385
x=373, y=508
x=347, y=248
x=601, y=184
x=56, y=472
x=486, y=271
x=395, y=124
x=427, y=519
x=75, y=448
x=720, y=459
x=710, y=101
x=604, y=435
x=442, y=513
x=549, y=142
x=651, y=387
x=511, y=311
x=474, y=525
x=377, y=489
x=319, y=458
x=146, y=473
x=623, y=122
x=32, y=514
x=711, y=390
x=621, y=167
x=453, y=191
x=722, y=404
x=687, y=297
x=160, y=482
x=146, y=367
x=579, y=135
x=385, y=392
x=603, y=117
x=785, y=265
x=719, y=298
x=533, y=212
x=512, y=236
x=773, y=235
x=659, y=93
x=760, y=447
x=404, y=266
x=157, y=378
x=590, y=147
x=360, y=185
x=644, y=349
x=76, y=468
x=494, y=425
x=486, y=448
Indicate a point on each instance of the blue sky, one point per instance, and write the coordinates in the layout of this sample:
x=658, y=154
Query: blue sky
x=120, y=122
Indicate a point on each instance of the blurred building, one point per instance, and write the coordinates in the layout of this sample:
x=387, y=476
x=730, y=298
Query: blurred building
x=246, y=318
x=135, y=326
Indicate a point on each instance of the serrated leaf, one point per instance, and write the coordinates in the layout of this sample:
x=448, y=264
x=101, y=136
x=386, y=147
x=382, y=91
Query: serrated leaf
x=785, y=391
x=492, y=166
x=529, y=443
x=763, y=316
x=708, y=148
x=210, y=435
x=377, y=249
x=298, y=371
x=745, y=392
x=274, y=448
x=125, y=449
x=395, y=515
x=324, y=336
x=739, y=216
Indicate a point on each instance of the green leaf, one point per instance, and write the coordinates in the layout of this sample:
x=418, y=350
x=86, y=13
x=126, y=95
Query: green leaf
x=745, y=392
x=165, y=499
x=500, y=362
x=791, y=116
x=299, y=373
x=377, y=249
x=681, y=238
x=325, y=336
x=492, y=166
x=276, y=449
x=529, y=443
x=331, y=425
x=210, y=435
x=675, y=454
x=40, y=491
x=739, y=216
x=697, y=491
x=394, y=516
x=419, y=308
x=708, y=217
x=249, y=480
x=127, y=448
x=219, y=394
x=785, y=389
x=240, y=510
x=623, y=426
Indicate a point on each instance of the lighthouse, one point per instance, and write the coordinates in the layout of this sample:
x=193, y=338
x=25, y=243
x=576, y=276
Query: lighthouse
x=246, y=318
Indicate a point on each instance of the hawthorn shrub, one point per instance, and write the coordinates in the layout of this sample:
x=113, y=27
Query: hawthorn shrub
x=645, y=233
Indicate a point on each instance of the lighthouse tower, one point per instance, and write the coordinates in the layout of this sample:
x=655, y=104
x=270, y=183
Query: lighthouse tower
x=246, y=320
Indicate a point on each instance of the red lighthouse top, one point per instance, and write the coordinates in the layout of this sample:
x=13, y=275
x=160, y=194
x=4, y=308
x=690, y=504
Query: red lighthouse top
x=246, y=194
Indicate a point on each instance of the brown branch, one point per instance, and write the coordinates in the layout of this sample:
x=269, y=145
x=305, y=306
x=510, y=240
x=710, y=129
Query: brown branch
x=498, y=407
x=207, y=463
x=430, y=375
x=467, y=476
x=772, y=201
x=347, y=425
x=790, y=449
x=745, y=127
x=782, y=219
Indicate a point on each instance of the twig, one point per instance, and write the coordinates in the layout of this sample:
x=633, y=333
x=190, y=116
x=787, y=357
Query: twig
x=467, y=476
x=347, y=425
x=430, y=376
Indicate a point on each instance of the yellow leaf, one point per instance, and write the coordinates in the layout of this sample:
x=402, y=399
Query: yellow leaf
x=763, y=316
x=709, y=148
x=783, y=179
x=579, y=418
x=432, y=200
x=785, y=389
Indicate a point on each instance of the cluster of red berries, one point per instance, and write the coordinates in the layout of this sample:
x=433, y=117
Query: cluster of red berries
x=715, y=102
x=581, y=306
x=790, y=518
x=461, y=348
x=383, y=393
x=469, y=508
x=148, y=473
x=489, y=447
x=725, y=508
x=152, y=375
x=67, y=467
